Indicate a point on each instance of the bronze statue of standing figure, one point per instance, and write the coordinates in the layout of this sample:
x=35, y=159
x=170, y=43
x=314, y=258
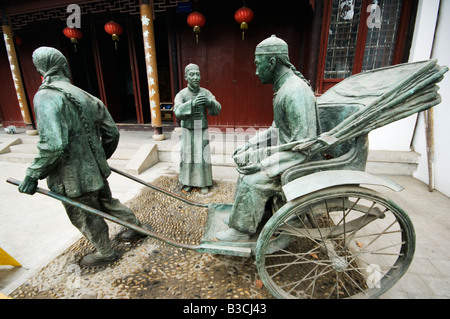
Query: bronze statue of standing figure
x=192, y=105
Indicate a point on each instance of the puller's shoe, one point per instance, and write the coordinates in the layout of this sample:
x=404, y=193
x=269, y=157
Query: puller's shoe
x=131, y=235
x=97, y=259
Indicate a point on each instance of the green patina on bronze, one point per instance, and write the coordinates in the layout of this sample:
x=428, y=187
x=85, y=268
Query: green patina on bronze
x=295, y=118
x=76, y=137
x=332, y=135
x=192, y=106
x=311, y=153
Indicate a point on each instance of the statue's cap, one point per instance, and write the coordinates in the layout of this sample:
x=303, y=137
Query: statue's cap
x=273, y=46
x=50, y=62
x=48, y=57
x=191, y=66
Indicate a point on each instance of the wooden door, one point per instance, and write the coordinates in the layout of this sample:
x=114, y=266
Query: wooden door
x=41, y=34
x=227, y=62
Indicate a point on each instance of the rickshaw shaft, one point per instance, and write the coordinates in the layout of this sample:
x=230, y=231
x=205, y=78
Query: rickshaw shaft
x=109, y=217
x=187, y=201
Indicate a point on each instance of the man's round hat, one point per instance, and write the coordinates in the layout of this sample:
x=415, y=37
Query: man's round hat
x=191, y=66
x=273, y=46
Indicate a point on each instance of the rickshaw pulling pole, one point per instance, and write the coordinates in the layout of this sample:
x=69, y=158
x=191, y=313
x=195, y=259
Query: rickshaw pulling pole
x=201, y=248
x=206, y=247
x=115, y=170
x=109, y=217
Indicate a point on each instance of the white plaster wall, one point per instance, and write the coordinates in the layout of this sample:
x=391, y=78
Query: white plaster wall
x=430, y=40
x=398, y=136
x=440, y=51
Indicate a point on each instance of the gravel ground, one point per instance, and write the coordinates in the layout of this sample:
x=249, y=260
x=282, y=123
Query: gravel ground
x=150, y=269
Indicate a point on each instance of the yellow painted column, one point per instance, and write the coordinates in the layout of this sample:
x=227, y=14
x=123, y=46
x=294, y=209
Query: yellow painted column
x=152, y=68
x=17, y=78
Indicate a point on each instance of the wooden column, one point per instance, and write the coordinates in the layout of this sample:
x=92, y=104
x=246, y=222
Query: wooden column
x=152, y=69
x=314, y=48
x=17, y=77
x=429, y=133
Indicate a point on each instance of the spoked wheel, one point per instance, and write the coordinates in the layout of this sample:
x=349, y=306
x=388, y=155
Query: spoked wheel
x=342, y=242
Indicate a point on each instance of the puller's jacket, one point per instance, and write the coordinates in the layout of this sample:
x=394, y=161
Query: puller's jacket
x=75, y=139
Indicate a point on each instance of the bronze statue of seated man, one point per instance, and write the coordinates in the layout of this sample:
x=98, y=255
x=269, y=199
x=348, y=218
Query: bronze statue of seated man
x=295, y=118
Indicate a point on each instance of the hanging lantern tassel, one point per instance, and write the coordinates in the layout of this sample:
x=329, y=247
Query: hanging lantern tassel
x=243, y=16
x=197, y=30
x=115, y=38
x=75, y=42
x=244, y=26
x=74, y=35
x=114, y=29
x=196, y=21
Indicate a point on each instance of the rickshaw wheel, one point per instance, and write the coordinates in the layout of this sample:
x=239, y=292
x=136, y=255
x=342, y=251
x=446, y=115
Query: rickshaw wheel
x=341, y=242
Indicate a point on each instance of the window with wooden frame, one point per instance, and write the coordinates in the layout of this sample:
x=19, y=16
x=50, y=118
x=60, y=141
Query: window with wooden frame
x=360, y=35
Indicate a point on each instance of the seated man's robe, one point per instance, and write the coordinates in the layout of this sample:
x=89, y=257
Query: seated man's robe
x=295, y=118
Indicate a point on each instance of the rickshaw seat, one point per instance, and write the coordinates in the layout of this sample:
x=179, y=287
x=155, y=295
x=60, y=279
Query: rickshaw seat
x=350, y=155
x=380, y=96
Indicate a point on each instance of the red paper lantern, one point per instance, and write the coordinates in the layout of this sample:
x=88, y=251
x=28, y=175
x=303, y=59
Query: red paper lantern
x=243, y=16
x=114, y=29
x=74, y=35
x=196, y=20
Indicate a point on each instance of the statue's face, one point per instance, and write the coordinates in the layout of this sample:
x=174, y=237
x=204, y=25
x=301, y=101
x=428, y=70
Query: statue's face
x=264, y=68
x=193, y=78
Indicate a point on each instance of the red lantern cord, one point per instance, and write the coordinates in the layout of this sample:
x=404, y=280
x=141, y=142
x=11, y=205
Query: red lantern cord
x=243, y=16
x=114, y=29
x=74, y=35
x=196, y=20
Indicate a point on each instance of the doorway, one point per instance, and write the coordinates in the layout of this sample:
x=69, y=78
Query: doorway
x=117, y=88
x=226, y=61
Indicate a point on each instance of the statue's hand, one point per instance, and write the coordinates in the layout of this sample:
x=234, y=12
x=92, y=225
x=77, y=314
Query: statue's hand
x=200, y=101
x=242, y=149
x=28, y=185
x=239, y=150
x=248, y=169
